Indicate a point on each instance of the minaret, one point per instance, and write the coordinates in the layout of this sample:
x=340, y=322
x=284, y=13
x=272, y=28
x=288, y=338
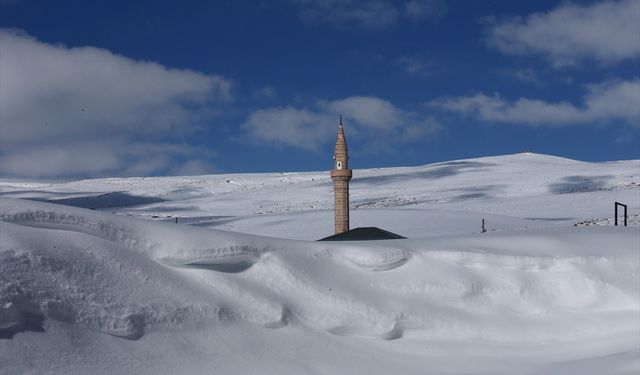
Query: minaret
x=341, y=175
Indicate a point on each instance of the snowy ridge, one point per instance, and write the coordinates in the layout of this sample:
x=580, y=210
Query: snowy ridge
x=210, y=244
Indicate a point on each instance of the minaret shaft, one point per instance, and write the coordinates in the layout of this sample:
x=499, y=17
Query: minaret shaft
x=341, y=199
x=341, y=175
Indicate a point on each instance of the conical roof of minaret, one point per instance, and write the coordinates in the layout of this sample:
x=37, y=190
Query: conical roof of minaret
x=341, y=151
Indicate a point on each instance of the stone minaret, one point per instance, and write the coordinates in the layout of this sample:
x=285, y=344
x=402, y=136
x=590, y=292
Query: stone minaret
x=341, y=175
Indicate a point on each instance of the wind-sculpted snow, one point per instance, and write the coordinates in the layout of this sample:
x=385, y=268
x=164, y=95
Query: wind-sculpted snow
x=174, y=243
x=123, y=277
x=84, y=291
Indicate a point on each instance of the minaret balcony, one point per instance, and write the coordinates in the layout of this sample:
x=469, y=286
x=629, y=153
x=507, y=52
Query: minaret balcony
x=341, y=174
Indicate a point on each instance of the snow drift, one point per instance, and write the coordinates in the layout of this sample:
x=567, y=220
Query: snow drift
x=88, y=291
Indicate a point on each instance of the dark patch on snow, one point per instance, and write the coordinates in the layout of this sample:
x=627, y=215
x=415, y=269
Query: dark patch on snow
x=206, y=221
x=437, y=171
x=107, y=200
x=470, y=196
x=359, y=331
x=226, y=267
x=170, y=209
x=573, y=184
x=135, y=328
x=286, y=317
x=395, y=333
x=20, y=315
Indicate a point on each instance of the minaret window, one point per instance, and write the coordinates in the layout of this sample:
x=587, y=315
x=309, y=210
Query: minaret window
x=339, y=165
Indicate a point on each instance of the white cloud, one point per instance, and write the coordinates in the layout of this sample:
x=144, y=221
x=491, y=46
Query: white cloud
x=98, y=158
x=80, y=111
x=366, y=14
x=48, y=161
x=615, y=101
x=368, y=112
x=528, y=76
x=289, y=126
x=607, y=32
x=415, y=65
x=370, y=117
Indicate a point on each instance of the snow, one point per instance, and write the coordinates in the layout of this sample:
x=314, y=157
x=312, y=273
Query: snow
x=238, y=285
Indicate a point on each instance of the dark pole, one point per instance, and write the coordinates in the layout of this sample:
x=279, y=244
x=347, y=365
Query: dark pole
x=616, y=204
x=483, y=228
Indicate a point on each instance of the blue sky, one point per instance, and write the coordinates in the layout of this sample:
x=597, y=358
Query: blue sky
x=104, y=88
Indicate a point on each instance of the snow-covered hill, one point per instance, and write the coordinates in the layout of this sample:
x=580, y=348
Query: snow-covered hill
x=87, y=291
x=514, y=191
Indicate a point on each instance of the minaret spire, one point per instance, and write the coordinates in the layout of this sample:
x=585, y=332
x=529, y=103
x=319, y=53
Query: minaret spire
x=341, y=175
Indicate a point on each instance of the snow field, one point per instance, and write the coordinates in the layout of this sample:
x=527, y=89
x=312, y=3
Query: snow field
x=87, y=291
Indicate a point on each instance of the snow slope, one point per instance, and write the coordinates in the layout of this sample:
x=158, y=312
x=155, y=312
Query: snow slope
x=518, y=191
x=86, y=291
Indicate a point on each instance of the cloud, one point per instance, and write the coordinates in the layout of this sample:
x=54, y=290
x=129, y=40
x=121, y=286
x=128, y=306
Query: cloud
x=415, y=65
x=265, y=93
x=372, y=118
x=615, y=101
x=86, y=111
x=366, y=14
x=367, y=111
x=49, y=161
x=606, y=32
x=289, y=126
x=528, y=76
x=194, y=167
x=423, y=9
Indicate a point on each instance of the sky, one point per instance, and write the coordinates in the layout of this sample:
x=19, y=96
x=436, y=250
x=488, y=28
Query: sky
x=147, y=88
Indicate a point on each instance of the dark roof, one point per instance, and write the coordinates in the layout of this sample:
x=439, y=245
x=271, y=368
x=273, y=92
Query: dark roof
x=363, y=234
